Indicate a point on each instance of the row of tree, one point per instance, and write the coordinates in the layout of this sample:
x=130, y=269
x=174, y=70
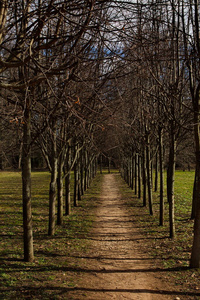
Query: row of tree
x=115, y=78
x=53, y=90
x=161, y=95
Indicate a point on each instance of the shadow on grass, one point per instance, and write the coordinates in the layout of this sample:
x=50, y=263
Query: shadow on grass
x=57, y=290
x=37, y=268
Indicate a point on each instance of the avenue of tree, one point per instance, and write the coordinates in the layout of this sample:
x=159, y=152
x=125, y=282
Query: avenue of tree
x=84, y=82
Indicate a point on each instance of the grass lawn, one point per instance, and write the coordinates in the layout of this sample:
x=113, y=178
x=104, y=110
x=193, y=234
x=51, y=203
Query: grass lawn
x=170, y=255
x=54, y=256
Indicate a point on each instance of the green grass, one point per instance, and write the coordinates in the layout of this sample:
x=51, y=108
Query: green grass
x=58, y=259
x=172, y=255
x=56, y=265
x=183, y=193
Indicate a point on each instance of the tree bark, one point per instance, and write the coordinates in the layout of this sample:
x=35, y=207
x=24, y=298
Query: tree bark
x=52, y=186
x=76, y=179
x=149, y=181
x=133, y=170
x=26, y=184
x=156, y=173
x=139, y=176
x=100, y=163
x=136, y=173
x=86, y=181
x=129, y=171
x=161, y=217
x=195, y=255
x=79, y=177
x=194, y=91
x=170, y=180
x=194, y=196
x=82, y=178
x=67, y=183
x=109, y=162
x=60, y=193
x=144, y=179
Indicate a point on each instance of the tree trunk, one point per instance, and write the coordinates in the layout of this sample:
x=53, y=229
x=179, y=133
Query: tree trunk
x=82, y=178
x=1, y=155
x=100, y=163
x=125, y=171
x=95, y=166
x=52, y=187
x=170, y=180
x=151, y=168
x=149, y=181
x=194, y=196
x=195, y=90
x=195, y=255
x=75, y=179
x=109, y=162
x=161, y=217
x=26, y=185
x=92, y=169
x=75, y=185
x=139, y=177
x=89, y=171
x=60, y=193
x=86, y=172
x=144, y=178
x=156, y=173
x=67, y=183
x=136, y=173
x=129, y=171
x=79, y=177
x=133, y=170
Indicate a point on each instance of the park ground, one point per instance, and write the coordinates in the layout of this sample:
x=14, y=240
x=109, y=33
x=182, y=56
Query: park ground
x=106, y=250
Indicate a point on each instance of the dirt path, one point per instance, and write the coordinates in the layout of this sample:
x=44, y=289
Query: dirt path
x=116, y=267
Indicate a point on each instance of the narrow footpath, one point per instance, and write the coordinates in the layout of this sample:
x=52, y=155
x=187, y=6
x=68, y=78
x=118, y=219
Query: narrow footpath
x=116, y=268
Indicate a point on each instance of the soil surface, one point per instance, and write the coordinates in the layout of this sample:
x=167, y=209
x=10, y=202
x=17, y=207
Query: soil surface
x=117, y=267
